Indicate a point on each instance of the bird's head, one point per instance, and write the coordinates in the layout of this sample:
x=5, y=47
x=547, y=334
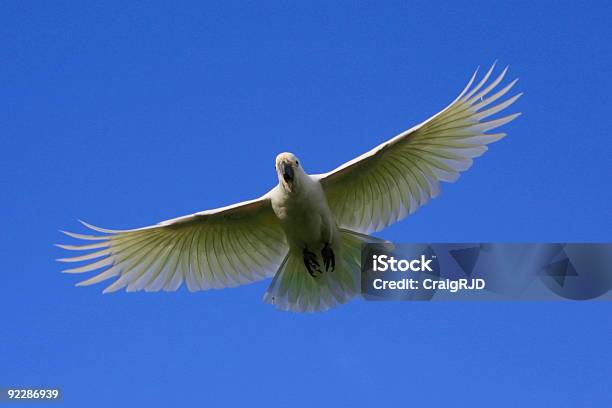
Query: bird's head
x=289, y=171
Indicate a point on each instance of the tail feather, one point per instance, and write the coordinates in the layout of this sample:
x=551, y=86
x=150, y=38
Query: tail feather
x=294, y=289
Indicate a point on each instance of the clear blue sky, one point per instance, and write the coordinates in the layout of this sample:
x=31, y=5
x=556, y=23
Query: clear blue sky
x=125, y=113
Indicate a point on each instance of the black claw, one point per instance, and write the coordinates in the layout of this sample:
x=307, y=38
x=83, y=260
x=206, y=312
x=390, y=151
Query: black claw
x=329, y=259
x=311, y=263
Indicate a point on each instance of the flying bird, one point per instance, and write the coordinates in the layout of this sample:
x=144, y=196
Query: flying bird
x=305, y=233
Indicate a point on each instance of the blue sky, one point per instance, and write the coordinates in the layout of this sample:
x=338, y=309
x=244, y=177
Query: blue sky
x=125, y=113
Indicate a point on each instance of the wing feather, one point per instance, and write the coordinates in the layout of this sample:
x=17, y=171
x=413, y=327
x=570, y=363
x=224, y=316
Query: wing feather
x=392, y=180
x=225, y=247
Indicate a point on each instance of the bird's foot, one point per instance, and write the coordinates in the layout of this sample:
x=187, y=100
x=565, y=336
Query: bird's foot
x=329, y=259
x=311, y=263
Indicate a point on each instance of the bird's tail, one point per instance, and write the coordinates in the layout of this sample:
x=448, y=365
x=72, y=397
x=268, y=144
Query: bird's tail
x=294, y=289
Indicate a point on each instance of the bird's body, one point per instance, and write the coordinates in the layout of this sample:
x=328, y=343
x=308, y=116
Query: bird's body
x=306, y=232
x=303, y=213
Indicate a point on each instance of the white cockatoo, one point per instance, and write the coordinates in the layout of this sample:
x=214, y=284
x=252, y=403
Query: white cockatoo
x=307, y=231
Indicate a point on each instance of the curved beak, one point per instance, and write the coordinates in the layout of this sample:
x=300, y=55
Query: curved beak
x=287, y=172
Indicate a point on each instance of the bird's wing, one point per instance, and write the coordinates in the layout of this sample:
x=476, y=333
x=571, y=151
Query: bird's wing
x=392, y=180
x=218, y=248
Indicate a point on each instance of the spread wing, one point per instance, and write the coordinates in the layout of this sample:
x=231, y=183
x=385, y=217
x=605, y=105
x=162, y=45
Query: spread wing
x=395, y=178
x=218, y=248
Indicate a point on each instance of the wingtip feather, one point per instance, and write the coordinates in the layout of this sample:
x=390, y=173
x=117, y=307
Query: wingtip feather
x=98, y=229
x=86, y=237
